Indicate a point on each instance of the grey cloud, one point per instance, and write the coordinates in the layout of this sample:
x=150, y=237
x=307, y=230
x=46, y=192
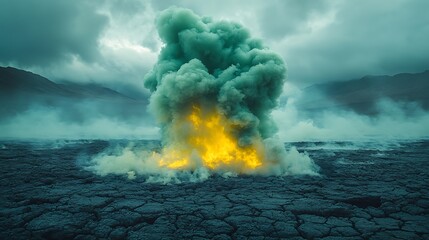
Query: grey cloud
x=282, y=18
x=127, y=13
x=39, y=33
x=126, y=8
x=366, y=38
x=236, y=10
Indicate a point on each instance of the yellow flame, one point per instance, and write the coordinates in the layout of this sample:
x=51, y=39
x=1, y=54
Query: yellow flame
x=208, y=139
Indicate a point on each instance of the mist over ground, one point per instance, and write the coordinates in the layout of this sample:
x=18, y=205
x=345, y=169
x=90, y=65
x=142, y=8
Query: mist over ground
x=37, y=108
x=34, y=107
x=372, y=107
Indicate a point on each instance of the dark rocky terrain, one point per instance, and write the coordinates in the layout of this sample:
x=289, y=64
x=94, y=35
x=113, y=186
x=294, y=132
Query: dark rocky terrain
x=364, y=191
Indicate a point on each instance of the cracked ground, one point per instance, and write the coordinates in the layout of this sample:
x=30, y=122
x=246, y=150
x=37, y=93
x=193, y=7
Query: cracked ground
x=361, y=193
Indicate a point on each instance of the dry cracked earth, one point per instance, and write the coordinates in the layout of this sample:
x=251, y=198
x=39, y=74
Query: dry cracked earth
x=361, y=193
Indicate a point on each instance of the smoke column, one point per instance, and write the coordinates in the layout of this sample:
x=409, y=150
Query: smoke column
x=213, y=89
x=213, y=74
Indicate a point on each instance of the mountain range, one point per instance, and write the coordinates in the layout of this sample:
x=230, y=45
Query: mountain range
x=362, y=95
x=21, y=90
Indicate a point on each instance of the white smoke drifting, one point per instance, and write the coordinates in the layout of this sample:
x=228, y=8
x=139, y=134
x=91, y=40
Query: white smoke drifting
x=394, y=121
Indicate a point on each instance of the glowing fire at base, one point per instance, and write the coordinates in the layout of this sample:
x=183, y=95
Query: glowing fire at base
x=207, y=141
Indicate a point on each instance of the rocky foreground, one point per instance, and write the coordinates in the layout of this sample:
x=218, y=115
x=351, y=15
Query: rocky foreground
x=360, y=194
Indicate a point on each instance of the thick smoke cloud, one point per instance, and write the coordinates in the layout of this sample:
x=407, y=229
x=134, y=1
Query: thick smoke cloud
x=216, y=64
x=218, y=69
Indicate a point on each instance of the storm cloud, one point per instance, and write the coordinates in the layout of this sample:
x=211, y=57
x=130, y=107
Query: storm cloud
x=351, y=40
x=40, y=33
x=115, y=43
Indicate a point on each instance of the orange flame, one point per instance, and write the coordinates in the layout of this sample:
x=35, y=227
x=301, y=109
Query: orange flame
x=207, y=139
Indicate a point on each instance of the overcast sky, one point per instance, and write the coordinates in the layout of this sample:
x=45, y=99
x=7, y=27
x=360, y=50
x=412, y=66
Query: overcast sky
x=114, y=42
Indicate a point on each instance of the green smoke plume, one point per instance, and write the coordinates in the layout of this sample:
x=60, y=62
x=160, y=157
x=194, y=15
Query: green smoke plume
x=218, y=65
x=214, y=63
x=215, y=66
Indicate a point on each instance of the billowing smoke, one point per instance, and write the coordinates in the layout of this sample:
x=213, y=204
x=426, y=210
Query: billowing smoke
x=213, y=89
x=214, y=65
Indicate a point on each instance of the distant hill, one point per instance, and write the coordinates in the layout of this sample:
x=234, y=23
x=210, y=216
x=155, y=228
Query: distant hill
x=14, y=81
x=20, y=90
x=361, y=95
